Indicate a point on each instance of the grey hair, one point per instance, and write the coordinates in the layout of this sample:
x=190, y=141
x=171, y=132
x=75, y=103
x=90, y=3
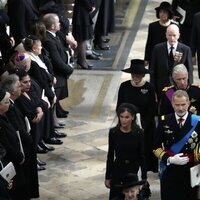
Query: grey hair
x=49, y=19
x=180, y=68
x=180, y=93
x=8, y=82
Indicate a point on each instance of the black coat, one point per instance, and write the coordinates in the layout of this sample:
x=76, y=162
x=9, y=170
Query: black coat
x=161, y=72
x=59, y=59
x=82, y=20
x=22, y=15
x=9, y=140
x=106, y=18
x=43, y=78
x=144, y=98
x=30, y=166
x=4, y=193
x=125, y=155
x=191, y=7
x=175, y=180
x=195, y=39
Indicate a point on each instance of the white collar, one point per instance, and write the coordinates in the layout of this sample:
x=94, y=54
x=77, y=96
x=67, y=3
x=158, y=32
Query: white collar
x=169, y=46
x=52, y=33
x=184, y=117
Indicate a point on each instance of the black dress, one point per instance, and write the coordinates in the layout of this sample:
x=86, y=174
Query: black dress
x=144, y=99
x=82, y=21
x=125, y=155
x=9, y=140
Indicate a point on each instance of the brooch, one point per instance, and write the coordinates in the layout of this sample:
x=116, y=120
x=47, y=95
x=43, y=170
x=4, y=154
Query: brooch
x=168, y=131
x=144, y=91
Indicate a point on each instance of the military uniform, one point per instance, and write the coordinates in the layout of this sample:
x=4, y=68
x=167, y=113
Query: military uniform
x=166, y=96
x=175, y=179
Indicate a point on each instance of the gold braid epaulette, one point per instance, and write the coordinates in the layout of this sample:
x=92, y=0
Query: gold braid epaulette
x=197, y=154
x=159, y=153
x=196, y=85
x=167, y=88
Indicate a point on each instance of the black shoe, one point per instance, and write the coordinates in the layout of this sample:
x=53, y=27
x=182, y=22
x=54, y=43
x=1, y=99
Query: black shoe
x=45, y=146
x=106, y=40
x=53, y=141
x=66, y=112
x=40, y=162
x=59, y=134
x=40, y=168
x=58, y=126
x=101, y=47
x=62, y=115
x=82, y=66
x=61, y=124
x=41, y=150
x=92, y=57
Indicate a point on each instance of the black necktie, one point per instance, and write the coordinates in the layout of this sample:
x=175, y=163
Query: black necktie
x=171, y=58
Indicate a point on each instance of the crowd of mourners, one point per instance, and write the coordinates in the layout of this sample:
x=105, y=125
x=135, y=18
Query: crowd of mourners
x=40, y=49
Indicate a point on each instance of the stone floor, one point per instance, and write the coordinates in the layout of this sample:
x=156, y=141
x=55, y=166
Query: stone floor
x=75, y=170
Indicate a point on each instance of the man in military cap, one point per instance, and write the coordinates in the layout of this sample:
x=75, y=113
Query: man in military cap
x=180, y=79
x=177, y=148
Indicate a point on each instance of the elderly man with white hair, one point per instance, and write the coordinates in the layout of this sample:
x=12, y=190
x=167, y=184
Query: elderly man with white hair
x=180, y=81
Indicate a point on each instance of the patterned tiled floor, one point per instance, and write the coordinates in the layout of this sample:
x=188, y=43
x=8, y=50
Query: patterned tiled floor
x=75, y=170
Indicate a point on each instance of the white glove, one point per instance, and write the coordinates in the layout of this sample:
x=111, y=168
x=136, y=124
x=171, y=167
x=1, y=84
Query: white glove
x=178, y=160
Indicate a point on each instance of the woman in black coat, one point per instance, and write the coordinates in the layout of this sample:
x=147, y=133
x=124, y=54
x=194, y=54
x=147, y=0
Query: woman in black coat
x=82, y=28
x=157, y=30
x=141, y=94
x=125, y=149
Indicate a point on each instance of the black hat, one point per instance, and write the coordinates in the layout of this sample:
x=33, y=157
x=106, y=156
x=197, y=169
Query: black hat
x=131, y=180
x=137, y=67
x=165, y=6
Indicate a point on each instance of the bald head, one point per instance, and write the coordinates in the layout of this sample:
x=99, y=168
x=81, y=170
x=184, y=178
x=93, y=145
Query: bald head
x=172, y=34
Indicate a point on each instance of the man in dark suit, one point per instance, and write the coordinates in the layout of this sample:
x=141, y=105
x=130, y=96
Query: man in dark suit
x=62, y=70
x=180, y=82
x=176, y=146
x=166, y=55
x=195, y=40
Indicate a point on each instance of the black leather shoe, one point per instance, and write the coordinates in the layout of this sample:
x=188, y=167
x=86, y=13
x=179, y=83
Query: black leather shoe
x=40, y=162
x=82, y=66
x=58, y=126
x=40, y=168
x=59, y=134
x=63, y=115
x=61, y=124
x=41, y=150
x=92, y=57
x=106, y=40
x=53, y=141
x=45, y=146
x=101, y=47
